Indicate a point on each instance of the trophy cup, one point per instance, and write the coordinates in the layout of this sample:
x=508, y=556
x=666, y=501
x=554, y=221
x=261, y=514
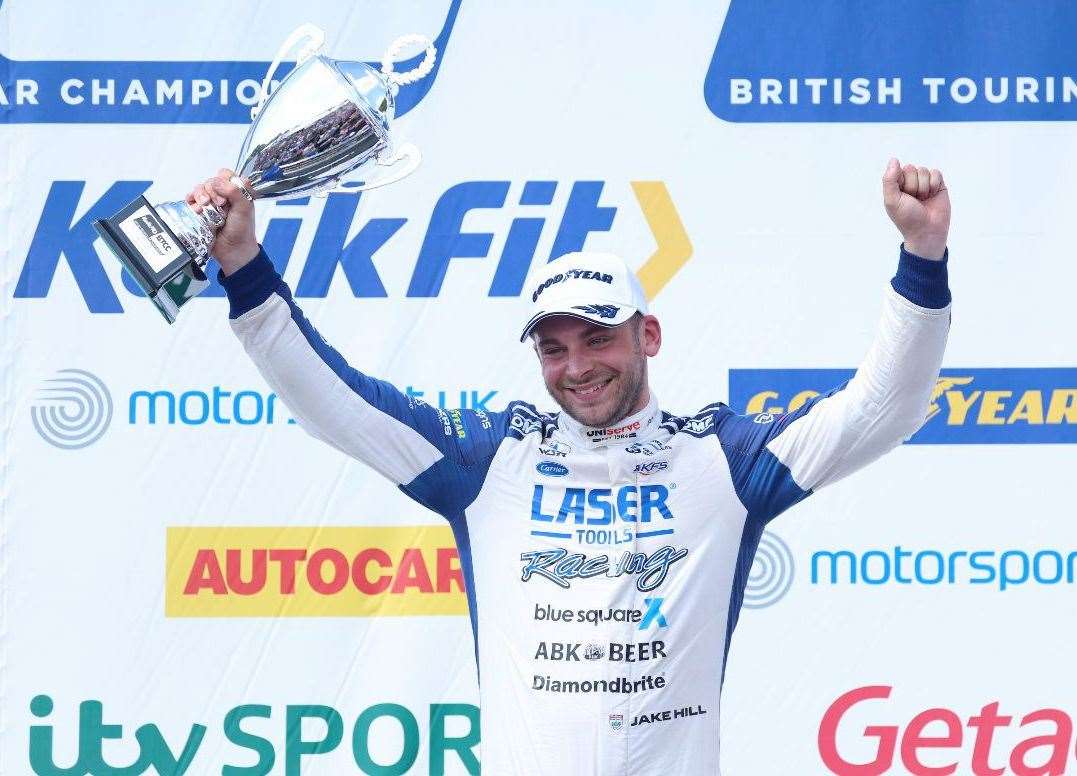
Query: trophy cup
x=326, y=120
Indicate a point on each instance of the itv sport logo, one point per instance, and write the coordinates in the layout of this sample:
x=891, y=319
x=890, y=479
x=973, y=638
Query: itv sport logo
x=288, y=740
x=968, y=406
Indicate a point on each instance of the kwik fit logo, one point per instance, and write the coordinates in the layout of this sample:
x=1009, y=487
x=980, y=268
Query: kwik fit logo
x=967, y=406
x=130, y=91
x=917, y=60
x=529, y=213
x=72, y=410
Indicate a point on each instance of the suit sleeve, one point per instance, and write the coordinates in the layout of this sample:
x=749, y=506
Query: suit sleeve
x=778, y=461
x=436, y=456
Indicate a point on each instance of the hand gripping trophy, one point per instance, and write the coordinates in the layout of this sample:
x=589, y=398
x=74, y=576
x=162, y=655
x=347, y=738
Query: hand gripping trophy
x=327, y=119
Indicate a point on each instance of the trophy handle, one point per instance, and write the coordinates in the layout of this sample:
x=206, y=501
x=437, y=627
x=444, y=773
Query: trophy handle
x=312, y=38
x=408, y=154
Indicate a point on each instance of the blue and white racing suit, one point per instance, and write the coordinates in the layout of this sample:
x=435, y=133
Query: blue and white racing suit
x=587, y=552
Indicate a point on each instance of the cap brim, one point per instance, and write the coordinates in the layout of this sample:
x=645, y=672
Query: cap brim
x=623, y=313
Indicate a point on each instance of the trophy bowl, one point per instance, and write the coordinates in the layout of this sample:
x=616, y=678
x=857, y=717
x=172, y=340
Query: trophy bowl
x=327, y=120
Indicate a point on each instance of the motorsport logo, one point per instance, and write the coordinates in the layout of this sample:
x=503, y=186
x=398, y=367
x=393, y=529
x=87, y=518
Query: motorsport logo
x=304, y=734
x=550, y=213
x=968, y=406
x=73, y=410
x=313, y=572
x=1003, y=569
x=127, y=91
x=918, y=60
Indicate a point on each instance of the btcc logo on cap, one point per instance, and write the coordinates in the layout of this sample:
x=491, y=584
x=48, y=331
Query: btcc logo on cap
x=571, y=274
x=601, y=310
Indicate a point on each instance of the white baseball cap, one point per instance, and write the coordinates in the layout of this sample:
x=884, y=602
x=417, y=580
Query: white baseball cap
x=595, y=287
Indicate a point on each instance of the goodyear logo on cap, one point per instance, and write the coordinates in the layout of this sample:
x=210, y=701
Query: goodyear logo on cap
x=967, y=406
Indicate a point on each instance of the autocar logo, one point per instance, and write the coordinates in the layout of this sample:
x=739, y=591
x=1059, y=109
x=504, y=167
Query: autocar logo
x=73, y=410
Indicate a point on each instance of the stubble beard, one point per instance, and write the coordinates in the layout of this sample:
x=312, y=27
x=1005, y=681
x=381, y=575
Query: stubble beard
x=628, y=397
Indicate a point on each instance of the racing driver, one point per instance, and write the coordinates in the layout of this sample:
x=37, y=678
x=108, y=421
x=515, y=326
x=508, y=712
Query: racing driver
x=588, y=535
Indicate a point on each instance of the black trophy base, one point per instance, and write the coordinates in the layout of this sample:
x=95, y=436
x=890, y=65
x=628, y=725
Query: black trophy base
x=156, y=259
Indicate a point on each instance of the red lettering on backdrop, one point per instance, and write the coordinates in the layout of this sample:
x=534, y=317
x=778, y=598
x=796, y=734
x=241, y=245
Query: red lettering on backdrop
x=985, y=726
x=317, y=581
x=233, y=564
x=449, y=570
x=205, y=574
x=828, y=735
x=359, y=571
x=914, y=739
x=412, y=573
x=1059, y=743
x=287, y=560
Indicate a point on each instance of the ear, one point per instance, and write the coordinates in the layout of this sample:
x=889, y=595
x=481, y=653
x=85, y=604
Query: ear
x=652, y=335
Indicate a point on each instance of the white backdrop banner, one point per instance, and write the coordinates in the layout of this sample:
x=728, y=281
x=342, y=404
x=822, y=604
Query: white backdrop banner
x=191, y=584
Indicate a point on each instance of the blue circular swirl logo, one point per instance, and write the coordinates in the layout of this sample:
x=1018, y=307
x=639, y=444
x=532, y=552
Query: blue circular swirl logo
x=771, y=575
x=73, y=410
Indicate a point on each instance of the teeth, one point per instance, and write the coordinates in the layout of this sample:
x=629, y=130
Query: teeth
x=589, y=391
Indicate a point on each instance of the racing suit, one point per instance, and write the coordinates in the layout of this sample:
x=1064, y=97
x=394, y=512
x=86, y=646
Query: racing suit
x=605, y=567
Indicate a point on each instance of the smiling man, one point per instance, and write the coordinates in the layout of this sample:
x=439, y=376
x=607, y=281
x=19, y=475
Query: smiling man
x=606, y=548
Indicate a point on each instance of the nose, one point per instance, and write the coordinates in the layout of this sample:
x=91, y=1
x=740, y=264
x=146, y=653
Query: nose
x=579, y=365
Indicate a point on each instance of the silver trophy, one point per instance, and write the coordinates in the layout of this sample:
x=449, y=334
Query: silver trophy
x=327, y=120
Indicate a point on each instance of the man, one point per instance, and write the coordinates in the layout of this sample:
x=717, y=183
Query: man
x=605, y=548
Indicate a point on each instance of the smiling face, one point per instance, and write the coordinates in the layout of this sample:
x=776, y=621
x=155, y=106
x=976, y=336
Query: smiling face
x=597, y=374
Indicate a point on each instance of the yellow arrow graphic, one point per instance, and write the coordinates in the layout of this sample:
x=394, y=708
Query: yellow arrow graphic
x=674, y=248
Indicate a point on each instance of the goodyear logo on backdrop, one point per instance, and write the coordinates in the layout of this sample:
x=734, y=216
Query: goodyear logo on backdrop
x=968, y=406
x=916, y=60
x=313, y=572
x=159, y=92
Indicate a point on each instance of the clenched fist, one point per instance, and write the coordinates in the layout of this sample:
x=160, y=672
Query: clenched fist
x=919, y=205
x=235, y=243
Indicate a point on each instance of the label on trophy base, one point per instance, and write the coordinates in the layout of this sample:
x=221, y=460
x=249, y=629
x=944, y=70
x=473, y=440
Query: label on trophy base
x=146, y=232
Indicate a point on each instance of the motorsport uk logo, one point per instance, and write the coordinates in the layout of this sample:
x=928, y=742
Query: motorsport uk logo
x=917, y=60
x=1000, y=569
x=74, y=409
x=161, y=92
x=968, y=406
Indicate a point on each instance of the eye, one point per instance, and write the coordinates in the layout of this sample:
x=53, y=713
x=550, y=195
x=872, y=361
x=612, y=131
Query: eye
x=601, y=339
x=552, y=351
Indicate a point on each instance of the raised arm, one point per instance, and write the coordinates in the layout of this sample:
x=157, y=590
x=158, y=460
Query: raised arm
x=776, y=462
x=438, y=457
